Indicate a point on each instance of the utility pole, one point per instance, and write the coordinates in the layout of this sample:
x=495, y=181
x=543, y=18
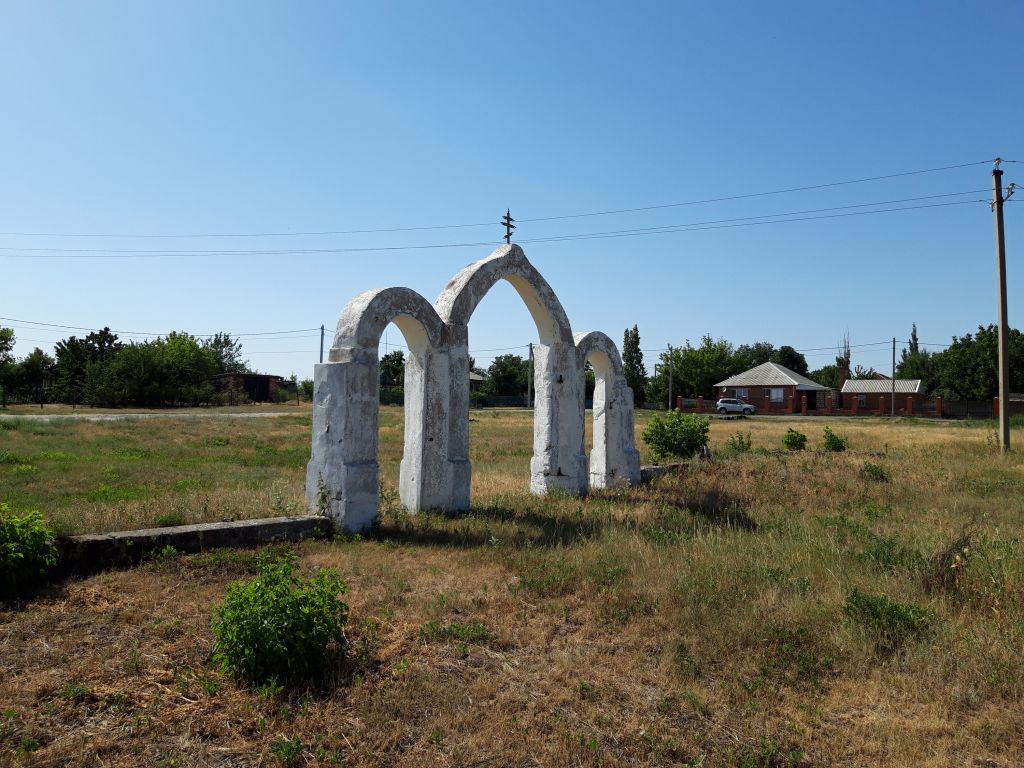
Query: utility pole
x=529, y=377
x=1004, y=332
x=670, y=377
x=893, y=404
x=321, y=343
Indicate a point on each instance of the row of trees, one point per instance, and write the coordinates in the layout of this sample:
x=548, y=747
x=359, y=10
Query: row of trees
x=101, y=370
x=965, y=370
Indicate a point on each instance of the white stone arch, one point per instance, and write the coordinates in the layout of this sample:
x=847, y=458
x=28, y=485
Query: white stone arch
x=614, y=459
x=557, y=463
x=343, y=474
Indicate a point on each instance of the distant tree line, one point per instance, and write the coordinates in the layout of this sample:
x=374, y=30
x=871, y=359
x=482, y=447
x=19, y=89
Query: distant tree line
x=966, y=370
x=101, y=370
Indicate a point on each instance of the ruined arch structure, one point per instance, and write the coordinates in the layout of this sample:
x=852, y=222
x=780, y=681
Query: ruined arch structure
x=342, y=476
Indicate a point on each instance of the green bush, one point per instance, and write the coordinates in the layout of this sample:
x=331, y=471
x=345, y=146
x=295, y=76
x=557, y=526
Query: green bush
x=279, y=626
x=678, y=434
x=889, y=623
x=738, y=443
x=793, y=440
x=876, y=472
x=27, y=550
x=833, y=442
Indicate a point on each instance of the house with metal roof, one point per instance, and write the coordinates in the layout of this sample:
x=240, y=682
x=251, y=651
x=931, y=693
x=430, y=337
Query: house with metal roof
x=876, y=394
x=774, y=387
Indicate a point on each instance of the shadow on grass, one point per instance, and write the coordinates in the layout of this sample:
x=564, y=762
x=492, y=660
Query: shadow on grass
x=544, y=522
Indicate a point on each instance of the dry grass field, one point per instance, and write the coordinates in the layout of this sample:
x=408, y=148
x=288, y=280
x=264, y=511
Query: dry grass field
x=731, y=614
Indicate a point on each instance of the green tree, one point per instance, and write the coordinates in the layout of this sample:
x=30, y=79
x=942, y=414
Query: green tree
x=507, y=375
x=860, y=372
x=695, y=370
x=969, y=366
x=633, y=364
x=228, y=352
x=827, y=376
x=748, y=356
x=916, y=363
x=34, y=374
x=392, y=369
x=790, y=358
x=7, y=340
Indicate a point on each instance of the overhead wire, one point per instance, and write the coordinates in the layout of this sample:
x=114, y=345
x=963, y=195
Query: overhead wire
x=561, y=217
x=744, y=221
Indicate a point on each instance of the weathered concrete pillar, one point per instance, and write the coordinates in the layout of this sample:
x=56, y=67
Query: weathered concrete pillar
x=558, y=463
x=425, y=480
x=342, y=475
x=459, y=468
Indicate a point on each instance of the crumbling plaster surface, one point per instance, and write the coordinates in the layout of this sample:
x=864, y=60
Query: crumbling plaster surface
x=343, y=474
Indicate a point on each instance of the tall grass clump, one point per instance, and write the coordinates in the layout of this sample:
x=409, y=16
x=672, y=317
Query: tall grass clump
x=27, y=550
x=279, y=626
x=677, y=434
x=889, y=623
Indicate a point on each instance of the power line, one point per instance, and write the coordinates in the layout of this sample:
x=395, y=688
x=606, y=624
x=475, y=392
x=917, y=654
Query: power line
x=562, y=217
x=145, y=333
x=38, y=252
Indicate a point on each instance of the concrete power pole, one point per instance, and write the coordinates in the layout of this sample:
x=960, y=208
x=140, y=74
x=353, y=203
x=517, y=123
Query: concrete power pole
x=670, y=377
x=1004, y=332
x=893, y=377
x=321, y=343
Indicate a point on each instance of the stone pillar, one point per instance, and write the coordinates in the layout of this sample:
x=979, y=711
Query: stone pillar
x=459, y=468
x=558, y=463
x=828, y=404
x=700, y=403
x=342, y=474
x=938, y=407
x=881, y=405
x=853, y=405
x=792, y=403
x=426, y=475
x=614, y=460
x=803, y=404
x=910, y=405
x=679, y=402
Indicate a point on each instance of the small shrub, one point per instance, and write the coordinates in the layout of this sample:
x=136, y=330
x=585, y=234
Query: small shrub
x=287, y=751
x=677, y=434
x=738, y=443
x=876, y=472
x=793, y=440
x=890, y=623
x=27, y=550
x=833, y=442
x=280, y=626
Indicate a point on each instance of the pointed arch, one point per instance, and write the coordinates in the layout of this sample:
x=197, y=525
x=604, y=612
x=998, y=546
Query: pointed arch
x=614, y=459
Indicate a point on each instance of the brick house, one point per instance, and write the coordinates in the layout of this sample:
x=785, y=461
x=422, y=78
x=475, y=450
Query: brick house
x=774, y=388
x=875, y=395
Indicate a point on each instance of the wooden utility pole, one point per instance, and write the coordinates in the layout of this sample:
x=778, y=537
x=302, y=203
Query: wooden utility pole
x=1004, y=331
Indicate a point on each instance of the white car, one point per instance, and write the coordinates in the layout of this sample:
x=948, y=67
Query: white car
x=735, y=405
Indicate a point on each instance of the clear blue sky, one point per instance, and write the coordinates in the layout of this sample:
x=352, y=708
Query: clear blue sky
x=192, y=118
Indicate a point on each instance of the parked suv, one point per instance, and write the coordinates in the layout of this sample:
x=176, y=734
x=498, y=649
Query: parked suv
x=735, y=405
